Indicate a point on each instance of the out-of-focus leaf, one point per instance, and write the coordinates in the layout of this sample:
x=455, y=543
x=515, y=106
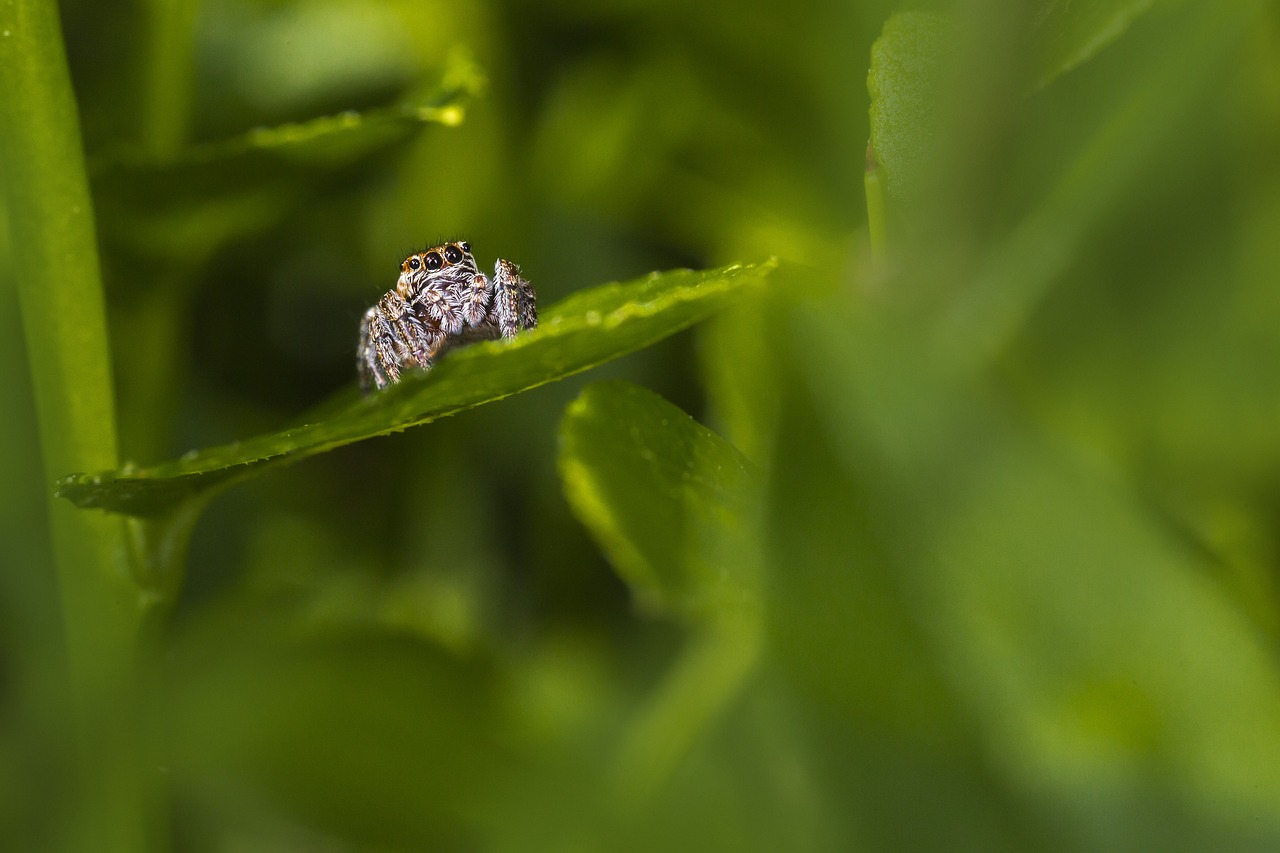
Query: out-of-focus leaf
x=186, y=206
x=580, y=332
x=877, y=715
x=324, y=141
x=1087, y=143
x=1070, y=32
x=839, y=614
x=1121, y=124
x=904, y=82
x=1175, y=380
x=666, y=498
x=1081, y=635
x=675, y=507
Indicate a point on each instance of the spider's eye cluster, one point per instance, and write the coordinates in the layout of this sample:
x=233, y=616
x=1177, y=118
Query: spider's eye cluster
x=452, y=253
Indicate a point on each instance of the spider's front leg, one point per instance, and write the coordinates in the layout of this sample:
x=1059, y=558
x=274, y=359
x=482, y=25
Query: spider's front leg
x=393, y=337
x=515, y=305
x=374, y=360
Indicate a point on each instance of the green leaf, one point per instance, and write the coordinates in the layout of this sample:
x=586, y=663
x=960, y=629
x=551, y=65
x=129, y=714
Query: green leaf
x=676, y=509
x=1084, y=636
x=914, y=62
x=910, y=65
x=668, y=500
x=1163, y=86
x=324, y=140
x=1070, y=32
x=586, y=329
x=192, y=203
x=903, y=82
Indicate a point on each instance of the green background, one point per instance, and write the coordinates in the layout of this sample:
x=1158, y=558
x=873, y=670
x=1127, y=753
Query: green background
x=957, y=526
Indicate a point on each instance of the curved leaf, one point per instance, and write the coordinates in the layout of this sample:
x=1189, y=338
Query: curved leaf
x=1070, y=33
x=667, y=499
x=676, y=508
x=909, y=67
x=586, y=329
x=186, y=206
x=1159, y=88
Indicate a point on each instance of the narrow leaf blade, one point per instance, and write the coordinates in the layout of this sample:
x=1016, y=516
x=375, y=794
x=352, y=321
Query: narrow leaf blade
x=1071, y=33
x=580, y=332
x=184, y=207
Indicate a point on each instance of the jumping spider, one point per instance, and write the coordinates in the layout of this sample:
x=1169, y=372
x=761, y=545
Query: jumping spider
x=441, y=299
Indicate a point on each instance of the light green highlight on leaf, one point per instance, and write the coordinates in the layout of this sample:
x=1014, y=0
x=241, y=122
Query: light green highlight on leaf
x=333, y=137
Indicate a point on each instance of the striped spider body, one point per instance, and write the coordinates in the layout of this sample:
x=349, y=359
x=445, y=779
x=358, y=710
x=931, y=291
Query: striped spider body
x=441, y=299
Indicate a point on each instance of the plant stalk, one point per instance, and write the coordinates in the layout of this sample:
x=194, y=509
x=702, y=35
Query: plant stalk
x=875, y=206
x=167, y=74
x=55, y=264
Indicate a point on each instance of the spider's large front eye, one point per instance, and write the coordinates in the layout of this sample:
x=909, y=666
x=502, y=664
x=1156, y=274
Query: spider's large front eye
x=452, y=255
x=432, y=261
x=414, y=263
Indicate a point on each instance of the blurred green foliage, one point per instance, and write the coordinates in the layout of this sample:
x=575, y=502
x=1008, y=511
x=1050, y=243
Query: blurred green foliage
x=969, y=542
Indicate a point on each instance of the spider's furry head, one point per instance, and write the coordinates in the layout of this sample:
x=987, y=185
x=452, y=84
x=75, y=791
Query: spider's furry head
x=438, y=267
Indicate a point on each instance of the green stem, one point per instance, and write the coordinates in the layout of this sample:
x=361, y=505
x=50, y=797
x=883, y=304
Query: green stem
x=875, y=205
x=148, y=320
x=64, y=319
x=167, y=75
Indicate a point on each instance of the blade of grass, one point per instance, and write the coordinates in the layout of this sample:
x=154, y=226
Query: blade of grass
x=59, y=286
x=874, y=187
x=167, y=104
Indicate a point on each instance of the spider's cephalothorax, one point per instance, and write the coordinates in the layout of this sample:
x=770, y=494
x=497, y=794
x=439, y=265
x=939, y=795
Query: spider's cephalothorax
x=440, y=299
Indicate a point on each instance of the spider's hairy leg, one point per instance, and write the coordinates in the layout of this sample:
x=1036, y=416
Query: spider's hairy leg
x=515, y=305
x=418, y=337
x=394, y=336
x=376, y=359
x=527, y=305
x=440, y=310
x=477, y=299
